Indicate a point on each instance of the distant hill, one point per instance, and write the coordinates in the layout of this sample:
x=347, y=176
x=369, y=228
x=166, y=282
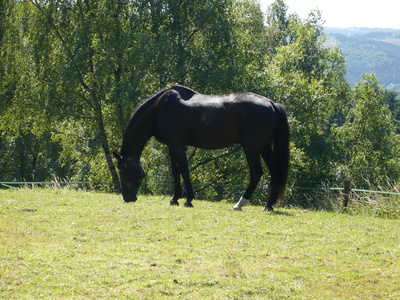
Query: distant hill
x=369, y=50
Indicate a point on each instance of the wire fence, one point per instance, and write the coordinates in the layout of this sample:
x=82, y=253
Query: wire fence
x=345, y=199
x=16, y=184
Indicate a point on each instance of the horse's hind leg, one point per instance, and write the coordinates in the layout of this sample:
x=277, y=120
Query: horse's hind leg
x=254, y=162
x=267, y=155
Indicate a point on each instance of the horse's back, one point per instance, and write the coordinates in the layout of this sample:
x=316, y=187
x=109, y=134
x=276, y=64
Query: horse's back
x=256, y=119
x=215, y=121
x=244, y=101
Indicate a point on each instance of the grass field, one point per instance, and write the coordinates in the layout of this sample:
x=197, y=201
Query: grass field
x=61, y=244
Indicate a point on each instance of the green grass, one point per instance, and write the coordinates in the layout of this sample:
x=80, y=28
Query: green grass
x=60, y=244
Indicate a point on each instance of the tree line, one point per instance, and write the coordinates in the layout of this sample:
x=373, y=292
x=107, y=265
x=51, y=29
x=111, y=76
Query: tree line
x=72, y=72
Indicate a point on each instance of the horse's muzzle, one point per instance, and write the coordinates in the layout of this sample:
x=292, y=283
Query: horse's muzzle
x=129, y=198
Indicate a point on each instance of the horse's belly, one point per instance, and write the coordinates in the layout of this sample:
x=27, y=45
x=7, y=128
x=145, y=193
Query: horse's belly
x=212, y=139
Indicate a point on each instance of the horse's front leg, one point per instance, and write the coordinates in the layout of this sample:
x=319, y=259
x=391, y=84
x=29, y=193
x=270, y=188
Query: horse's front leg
x=180, y=163
x=180, y=166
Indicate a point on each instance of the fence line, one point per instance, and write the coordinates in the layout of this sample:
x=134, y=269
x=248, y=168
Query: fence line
x=345, y=191
x=10, y=184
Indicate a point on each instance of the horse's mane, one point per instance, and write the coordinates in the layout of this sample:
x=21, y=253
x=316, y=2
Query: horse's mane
x=185, y=92
x=145, y=105
x=140, y=111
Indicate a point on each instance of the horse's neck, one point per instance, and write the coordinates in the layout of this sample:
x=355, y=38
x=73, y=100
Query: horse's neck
x=134, y=148
x=137, y=134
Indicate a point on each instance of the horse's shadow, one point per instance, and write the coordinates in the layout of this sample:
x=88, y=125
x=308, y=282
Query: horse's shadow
x=281, y=213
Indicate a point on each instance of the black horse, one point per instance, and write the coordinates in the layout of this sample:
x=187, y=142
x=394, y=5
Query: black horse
x=180, y=117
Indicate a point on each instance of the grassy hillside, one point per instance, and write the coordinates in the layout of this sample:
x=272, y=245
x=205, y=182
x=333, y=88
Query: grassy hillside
x=59, y=244
x=369, y=51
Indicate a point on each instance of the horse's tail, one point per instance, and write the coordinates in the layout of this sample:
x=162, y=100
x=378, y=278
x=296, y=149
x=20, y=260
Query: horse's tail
x=280, y=160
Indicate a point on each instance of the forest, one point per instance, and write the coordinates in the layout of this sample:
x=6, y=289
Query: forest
x=72, y=73
x=369, y=50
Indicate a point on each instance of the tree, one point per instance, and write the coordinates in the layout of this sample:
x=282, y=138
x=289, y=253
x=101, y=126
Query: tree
x=84, y=65
x=391, y=98
x=24, y=149
x=309, y=79
x=368, y=140
x=90, y=59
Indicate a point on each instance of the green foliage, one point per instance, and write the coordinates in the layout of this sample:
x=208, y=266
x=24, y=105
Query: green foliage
x=368, y=142
x=381, y=206
x=309, y=79
x=71, y=73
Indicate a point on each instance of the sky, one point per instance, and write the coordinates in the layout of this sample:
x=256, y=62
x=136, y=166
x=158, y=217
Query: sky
x=348, y=13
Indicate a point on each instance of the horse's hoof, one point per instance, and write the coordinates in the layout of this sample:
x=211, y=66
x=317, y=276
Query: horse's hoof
x=268, y=208
x=241, y=203
x=188, y=204
x=174, y=203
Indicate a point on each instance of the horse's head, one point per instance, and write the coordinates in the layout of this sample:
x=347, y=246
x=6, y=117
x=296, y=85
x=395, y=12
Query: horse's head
x=131, y=174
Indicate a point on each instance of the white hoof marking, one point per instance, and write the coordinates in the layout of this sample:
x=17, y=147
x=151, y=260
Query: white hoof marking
x=241, y=203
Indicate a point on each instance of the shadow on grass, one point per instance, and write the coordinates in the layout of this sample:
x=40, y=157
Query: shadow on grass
x=281, y=213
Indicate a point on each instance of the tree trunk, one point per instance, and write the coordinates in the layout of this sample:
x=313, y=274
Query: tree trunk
x=106, y=148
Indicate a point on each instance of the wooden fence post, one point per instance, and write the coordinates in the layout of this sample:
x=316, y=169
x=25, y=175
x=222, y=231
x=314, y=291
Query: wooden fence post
x=220, y=191
x=346, y=193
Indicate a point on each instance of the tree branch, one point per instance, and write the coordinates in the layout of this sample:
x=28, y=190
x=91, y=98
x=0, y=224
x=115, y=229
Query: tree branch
x=235, y=149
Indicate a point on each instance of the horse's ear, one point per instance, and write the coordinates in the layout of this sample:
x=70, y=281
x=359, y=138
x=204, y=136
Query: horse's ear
x=117, y=155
